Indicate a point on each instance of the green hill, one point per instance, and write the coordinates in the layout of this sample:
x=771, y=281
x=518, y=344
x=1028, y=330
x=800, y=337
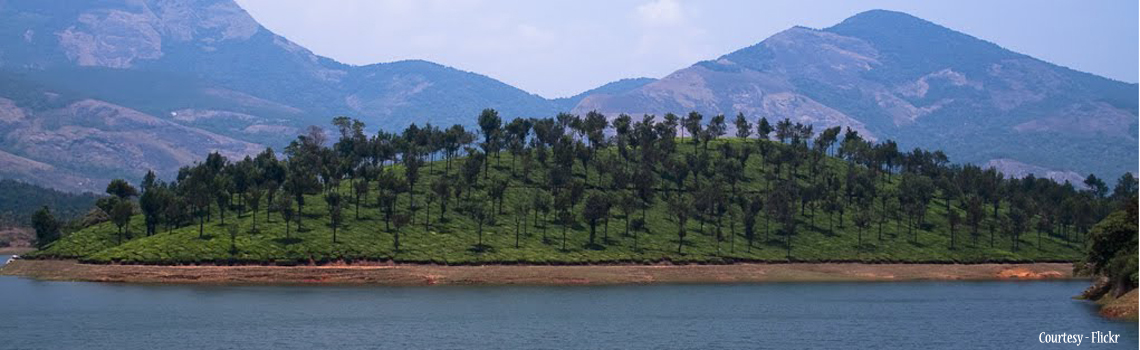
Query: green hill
x=821, y=228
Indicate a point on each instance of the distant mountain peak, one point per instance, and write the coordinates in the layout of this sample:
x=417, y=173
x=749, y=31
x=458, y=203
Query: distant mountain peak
x=878, y=25
x=918, y=46
x=886, y=22
x=886, y=16
x=889, y=74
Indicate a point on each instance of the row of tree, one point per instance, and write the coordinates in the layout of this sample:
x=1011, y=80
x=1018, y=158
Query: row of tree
x=587, y=168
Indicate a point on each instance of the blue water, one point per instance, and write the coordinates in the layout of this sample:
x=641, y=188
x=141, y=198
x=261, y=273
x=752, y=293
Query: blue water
x=911, y=315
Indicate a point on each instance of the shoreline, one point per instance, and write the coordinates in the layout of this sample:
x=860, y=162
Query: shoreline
x=16, y=250
x=1123, y=307
x=549, y=275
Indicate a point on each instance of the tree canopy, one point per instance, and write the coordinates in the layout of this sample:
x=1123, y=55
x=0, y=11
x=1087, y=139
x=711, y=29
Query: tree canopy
x=808, y=195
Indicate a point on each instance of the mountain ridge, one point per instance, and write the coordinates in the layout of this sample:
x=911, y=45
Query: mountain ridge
x=206, y=67
x=891, y=75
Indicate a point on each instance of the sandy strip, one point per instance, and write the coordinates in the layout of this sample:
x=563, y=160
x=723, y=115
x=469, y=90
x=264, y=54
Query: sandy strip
x=15, y=250
x=413, y=275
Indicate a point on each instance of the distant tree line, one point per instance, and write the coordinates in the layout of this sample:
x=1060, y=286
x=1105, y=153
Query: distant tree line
x=20, y=201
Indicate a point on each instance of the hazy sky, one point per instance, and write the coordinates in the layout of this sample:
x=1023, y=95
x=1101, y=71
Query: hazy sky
x=561, y=48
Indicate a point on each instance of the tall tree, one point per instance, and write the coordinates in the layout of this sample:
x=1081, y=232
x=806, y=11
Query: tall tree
x=693, y=125
x=716, y=128
x=627, y=204
x=333, y=202
x=359, y=189
x=1096, y=186
x=680, y=206
x=974, y=214
x=763, y=128
x=153, y=201
x=781, y=206
x=1125, y=189
x=121, y=188
x=489, y=123
x=784, y=130
x=400, y=221
x=597, y=208
x=750, y=208
x=46, y=226
x=498, y=192
x=121, y=217
x=300, y=181
x=863, y=217
x=743, y=127
x=222, y=190
x=476, y=209
x=952, y=219
x=541, y=203
x=441, y=187
x=284, y=206
x=253, y=199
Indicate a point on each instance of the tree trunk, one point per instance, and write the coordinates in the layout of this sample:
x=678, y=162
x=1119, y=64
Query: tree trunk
x=627, y=225
x=881, y=219
x=788, y=245
x=974, y=234
x=563, y=236
x=680, y=243
x=767, y=222
x=732, y=236
x=411, y=199
x=300, y=214
x=634, y=233
x=991, y=235
x=718, y=236
x=593, y=224
x=606, y=231
x=951, y=236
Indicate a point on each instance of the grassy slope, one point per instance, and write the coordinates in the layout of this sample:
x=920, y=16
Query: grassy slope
x=453, y=240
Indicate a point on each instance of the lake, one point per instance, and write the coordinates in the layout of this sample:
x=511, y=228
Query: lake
x=925, y=315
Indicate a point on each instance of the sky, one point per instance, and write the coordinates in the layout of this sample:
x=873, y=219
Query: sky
x=558, y=48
